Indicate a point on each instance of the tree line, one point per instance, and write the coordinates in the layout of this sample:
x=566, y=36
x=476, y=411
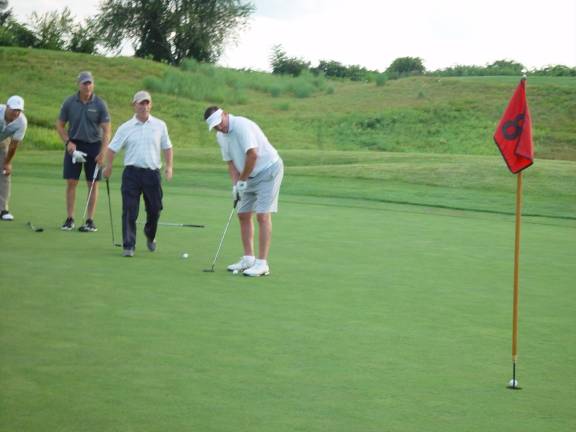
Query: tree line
x=401, y=67
x=171, y=31
x=166, y=31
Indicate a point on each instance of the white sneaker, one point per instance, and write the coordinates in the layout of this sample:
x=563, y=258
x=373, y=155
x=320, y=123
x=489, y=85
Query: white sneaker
x=260, y=268
x=245, y=262
x=6, y=215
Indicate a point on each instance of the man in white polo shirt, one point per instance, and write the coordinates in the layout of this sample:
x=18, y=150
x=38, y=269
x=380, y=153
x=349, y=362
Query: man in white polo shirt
x=143, y=137
x=13, y=126
x=256, y=171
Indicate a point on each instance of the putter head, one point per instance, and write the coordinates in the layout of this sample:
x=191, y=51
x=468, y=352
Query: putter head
x=210, y=270
x=33, y=228
x=117, y=245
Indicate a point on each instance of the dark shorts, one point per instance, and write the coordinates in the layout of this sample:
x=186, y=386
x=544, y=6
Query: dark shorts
x=72, y=170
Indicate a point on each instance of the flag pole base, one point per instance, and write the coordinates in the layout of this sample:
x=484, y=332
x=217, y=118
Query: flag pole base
x=513, y=384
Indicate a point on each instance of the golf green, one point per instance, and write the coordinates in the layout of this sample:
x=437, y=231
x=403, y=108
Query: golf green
x=376, y=317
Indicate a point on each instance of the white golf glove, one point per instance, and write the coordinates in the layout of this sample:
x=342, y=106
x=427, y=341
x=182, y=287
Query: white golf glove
x=78, y=156
x=239, y=188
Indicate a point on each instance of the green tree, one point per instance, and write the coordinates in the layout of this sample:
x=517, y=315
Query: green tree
x=331, y=68
x=84, y=38
x=52, y=29
x=505, y=67
x=404, y=66
x=172, y=30
x=284, y=65
x=12, y=33
x=556, y=70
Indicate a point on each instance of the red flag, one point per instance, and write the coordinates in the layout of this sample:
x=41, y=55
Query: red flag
x=514, y=133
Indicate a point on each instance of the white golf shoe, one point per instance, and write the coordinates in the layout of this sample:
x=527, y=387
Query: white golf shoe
x=6, y=216
x=245, y=262
x=260, y=268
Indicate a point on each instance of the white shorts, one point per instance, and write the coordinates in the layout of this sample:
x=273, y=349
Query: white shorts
x=261, y=195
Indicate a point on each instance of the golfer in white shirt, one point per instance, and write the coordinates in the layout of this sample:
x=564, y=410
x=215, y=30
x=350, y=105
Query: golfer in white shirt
x=143, y=137
x=13, y=126
x=256, y=171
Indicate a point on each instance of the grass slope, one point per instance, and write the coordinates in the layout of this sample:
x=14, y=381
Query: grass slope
x=421, y=114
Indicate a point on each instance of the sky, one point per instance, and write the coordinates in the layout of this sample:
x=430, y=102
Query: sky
x=372, y=33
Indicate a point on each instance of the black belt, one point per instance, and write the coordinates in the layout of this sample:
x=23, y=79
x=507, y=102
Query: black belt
x=140, y=168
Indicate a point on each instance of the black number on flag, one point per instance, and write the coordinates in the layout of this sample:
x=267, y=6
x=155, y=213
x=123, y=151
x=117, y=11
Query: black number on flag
x=513, y=128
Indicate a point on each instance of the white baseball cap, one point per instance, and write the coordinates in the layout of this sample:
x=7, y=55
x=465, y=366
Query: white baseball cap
x=15, y=103
x=140, y=96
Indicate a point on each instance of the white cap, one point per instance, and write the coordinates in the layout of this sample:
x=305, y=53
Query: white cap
x=215, y=119
x=15, y=103
x=142, y=95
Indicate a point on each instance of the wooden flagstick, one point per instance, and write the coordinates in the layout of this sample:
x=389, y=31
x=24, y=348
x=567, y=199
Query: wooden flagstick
x=514, y=383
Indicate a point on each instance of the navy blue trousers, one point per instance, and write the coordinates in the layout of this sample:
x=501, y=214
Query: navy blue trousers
x=135, y=182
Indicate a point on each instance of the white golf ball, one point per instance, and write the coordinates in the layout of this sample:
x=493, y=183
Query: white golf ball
x=513, y=383
x=184, y=255
x=235, y=272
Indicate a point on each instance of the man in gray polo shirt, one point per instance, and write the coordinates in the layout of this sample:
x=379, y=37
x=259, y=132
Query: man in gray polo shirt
x=86, y=141
x=13, y=126
x=256, y=171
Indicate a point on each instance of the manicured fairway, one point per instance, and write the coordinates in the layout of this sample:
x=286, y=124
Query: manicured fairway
x=377, y=317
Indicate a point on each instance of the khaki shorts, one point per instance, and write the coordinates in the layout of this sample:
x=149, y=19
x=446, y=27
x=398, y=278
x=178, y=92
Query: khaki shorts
x=261, y=195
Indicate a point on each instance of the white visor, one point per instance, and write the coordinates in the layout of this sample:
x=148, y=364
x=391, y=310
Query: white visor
x=215, y=119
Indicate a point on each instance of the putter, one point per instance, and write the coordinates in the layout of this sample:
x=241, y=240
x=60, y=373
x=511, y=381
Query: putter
x=90, y=192
x=33, y=228
x=110, y=212
x=211, y=269
x=178, y=225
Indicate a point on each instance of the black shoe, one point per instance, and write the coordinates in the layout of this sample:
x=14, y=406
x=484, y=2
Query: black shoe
x=151, y=244
x=68, y=225
x=88, y=226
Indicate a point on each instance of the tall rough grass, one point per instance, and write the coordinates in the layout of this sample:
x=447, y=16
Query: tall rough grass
x=199, y=81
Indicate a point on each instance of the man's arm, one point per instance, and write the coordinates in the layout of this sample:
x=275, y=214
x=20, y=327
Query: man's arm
x=7, y=169
x=234, y=174
x=249, y=164
x=106, y=133
x=61, y=129
x=168, y=158
x=107, y=171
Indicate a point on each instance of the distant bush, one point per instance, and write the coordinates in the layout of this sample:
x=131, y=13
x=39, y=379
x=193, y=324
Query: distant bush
x=301, y=88
x=284, y=65
x=557, y=70
x=503, y=67
x=381, y=79
x=405, y=66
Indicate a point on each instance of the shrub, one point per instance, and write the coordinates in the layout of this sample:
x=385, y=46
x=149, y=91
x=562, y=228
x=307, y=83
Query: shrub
x=406, y=66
